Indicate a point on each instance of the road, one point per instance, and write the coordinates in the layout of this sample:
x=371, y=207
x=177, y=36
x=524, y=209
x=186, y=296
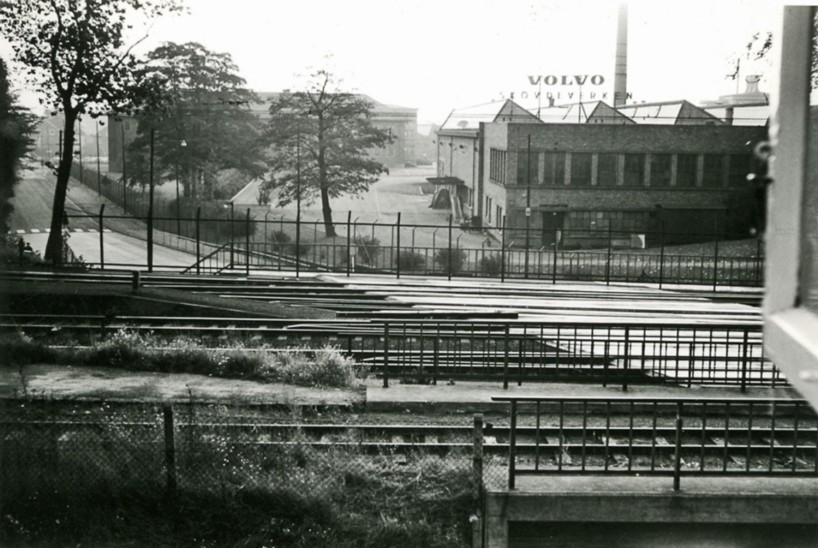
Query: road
x=124, y=243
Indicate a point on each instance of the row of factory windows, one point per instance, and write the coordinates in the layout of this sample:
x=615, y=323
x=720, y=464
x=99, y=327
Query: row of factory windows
x=597, y=221
x=584, y=169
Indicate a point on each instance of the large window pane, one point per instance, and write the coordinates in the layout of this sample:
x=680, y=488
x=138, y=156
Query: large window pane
x=580, y=169
x=634, y=169
x=528, y=166
x=660, y=170
x=713, y=173
x=554, y=168
x=606, y=170
x=686, y=170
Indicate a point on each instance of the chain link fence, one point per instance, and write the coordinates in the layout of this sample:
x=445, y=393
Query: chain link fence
x=368, y=472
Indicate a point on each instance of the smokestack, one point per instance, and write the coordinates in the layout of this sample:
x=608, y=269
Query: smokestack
x=621, y=72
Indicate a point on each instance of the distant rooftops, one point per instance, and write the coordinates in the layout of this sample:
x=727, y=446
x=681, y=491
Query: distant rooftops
x=679, y=112
x=378, y=108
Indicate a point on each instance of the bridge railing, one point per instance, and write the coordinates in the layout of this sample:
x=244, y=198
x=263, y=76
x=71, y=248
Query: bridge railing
x=661, y=437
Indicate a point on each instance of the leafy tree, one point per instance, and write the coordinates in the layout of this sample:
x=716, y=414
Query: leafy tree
x=199, y=111
x=320, y=137
x=78, y=61
x=16, y=127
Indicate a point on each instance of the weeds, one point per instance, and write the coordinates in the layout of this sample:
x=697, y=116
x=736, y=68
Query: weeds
x=324, y=367
x=105, y=487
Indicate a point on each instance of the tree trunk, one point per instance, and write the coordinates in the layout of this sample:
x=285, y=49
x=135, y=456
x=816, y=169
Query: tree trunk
x=54, y=247
x=329, y=227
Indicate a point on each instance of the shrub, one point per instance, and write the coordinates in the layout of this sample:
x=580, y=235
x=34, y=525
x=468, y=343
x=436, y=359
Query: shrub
x=367, y=249
x=453, y=266
x=17, y=349
x=410, y=260
x=282, y=243
x=326, y=368
x=123, y=349
x=240, y=364
x=491, y=265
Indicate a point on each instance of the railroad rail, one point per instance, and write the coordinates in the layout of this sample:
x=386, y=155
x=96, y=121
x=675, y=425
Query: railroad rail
x=661, y=436
x=505, y=349
x=540, y=436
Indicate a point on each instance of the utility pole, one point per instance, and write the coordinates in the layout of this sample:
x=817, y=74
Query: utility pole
x=298, y=204
x=527, y=203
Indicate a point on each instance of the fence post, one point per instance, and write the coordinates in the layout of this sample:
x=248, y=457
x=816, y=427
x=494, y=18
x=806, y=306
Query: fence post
x=101, y=238
x=715, y=254
x=198, y=240
x=477, y=457
x=397, y=251
x=503, y=249
x=627, y=359
x=170, y=451
x=512, y=445
x=744, y=349
x=247, y=243
x=150, y=207
x=505, y=358
x=449, y=267
x=661, y=253
x=135, y=281
x=608, y=262
x=298, y=244
x=349, y=242
x=436, y=356
x=677, y=457
x=386, y=355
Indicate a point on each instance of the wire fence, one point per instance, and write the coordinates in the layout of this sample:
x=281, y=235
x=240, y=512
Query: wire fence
x=223, y=237
x=357, y=464
x=53, y=446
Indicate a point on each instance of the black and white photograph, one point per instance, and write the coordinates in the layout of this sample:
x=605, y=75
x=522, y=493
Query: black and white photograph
x=408, y=274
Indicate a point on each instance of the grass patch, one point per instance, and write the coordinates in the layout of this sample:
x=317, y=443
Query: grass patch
x=323, y=367
x=104, y=486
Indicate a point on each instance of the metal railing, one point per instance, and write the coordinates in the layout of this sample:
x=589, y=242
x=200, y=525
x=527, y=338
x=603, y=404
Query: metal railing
x=428, y=350
x=610, y=353
x=436, y=249
x=661, y=437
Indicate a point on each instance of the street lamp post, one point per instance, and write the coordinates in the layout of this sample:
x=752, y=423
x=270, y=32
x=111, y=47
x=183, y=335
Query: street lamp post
x=298, y=205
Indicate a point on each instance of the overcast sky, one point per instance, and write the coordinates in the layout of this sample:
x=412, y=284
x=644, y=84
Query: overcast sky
x=437, y=55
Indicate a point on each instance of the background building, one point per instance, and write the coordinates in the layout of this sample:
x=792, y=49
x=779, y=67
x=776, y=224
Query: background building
x=572, y=173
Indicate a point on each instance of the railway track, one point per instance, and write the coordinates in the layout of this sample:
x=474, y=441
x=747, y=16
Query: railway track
x=369, y=295
x=787, y=444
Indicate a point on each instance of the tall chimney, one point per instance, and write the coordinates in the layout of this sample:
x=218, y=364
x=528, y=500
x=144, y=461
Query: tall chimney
x=621, y=72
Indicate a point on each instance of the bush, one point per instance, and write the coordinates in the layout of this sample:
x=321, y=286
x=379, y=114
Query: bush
x=122, y=349
x=282, y=243
x=410, y=260
x=491, y=265
x=367, y=249
x=17, y=349
x=453, y=266
x=326, y=368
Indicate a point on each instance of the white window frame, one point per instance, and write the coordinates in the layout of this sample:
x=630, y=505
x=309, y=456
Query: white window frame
x=790, y=330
